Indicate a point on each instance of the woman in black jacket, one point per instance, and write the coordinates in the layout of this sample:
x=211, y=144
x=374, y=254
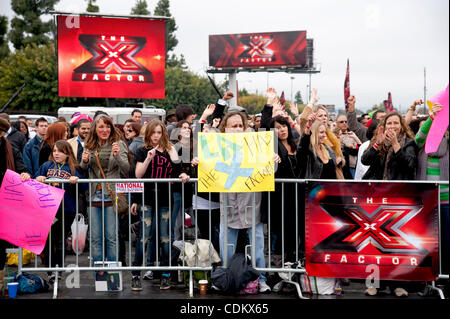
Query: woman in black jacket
x=317, y=159
x=289, y=167
x=392, y=153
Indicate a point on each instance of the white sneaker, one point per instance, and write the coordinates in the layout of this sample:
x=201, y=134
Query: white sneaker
x=400, y=292
x=278, y=286
x=263, y=287
x=148, y=275
x=371, y=291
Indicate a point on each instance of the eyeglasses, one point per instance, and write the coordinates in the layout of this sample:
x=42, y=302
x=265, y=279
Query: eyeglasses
x=342, y=121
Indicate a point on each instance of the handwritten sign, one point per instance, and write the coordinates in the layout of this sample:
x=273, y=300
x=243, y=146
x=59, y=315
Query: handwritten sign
x=27, y=210
x=236, y=162
x=440, y=123
x=129, y=187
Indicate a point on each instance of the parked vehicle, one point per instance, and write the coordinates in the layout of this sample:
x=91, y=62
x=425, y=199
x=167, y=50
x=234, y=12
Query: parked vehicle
x=119, y=114
x=33, y=117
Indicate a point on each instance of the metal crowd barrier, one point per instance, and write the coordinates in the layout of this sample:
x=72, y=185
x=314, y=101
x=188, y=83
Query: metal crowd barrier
x=191, y=269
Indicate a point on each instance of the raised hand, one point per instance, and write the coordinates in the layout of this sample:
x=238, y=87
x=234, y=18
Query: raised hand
x=293, y=108
x=351, y=103
x=216, y=122
x=209, y=110
x=314, y=97
x=228, y=95
x=435, y=109
x=311, y=118
x=271, y=96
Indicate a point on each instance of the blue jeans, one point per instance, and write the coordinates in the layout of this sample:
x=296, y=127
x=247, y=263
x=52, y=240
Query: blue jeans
x=147, y=236
x=110, y=233
x=353, y=171
x=232, y=239
x=175, y=211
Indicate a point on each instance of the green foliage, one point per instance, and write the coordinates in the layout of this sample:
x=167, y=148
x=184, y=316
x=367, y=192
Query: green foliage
x=379, y=106
x=175, y=61
x=243, y=93
x=91, y=6
x=4, y=49
x=186, y=87
x=36, y=66
x=162, y=9
x=140, y=8
x=298, y=98
x=252, y=103
x=27, y=26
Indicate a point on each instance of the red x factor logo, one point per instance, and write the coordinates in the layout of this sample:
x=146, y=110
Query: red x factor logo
x=113, y=59
x=381, y=228
x=256, y=47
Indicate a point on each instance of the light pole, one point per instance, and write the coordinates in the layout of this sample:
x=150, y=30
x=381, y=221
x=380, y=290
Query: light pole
x=292, y=81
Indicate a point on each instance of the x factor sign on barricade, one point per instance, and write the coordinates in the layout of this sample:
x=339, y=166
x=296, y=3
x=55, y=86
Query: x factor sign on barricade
x=393, y=226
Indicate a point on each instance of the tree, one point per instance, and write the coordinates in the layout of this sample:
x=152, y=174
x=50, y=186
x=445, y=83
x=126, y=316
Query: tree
x=162, y=9
x=91, y=6
x=252, y=103
x=27, y=26
x=4, y=49
x=37, y=67
x=298, y=98
x=140, y=8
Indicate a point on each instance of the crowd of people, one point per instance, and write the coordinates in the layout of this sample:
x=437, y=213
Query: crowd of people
x=311, y=145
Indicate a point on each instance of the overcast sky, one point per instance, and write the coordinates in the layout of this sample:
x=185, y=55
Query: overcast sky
x=388, y=42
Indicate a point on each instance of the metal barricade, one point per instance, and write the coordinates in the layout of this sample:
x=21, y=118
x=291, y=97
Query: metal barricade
x=88, y=264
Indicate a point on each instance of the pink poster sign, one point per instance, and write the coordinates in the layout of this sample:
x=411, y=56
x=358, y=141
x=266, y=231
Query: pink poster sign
x=440, y=123
x=27, y=211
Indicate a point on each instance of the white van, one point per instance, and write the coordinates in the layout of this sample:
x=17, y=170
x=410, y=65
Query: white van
x=119, y=114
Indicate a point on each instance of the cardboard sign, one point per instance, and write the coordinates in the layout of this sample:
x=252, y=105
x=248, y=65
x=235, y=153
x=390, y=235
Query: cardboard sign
x=440, y=123
x=236, y=162
x=27, y=211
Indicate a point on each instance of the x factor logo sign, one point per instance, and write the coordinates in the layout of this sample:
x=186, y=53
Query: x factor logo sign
x=381, y=228
x=113, y=59
x=256, y=46
x=256, y=49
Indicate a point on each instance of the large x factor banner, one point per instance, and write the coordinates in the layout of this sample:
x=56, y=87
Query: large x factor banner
x=111, y=57
x=271, y=49
x=236, y=162
x=386, y=230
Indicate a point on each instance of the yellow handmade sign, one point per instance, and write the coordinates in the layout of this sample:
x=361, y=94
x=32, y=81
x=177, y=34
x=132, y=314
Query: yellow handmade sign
x=236, y=162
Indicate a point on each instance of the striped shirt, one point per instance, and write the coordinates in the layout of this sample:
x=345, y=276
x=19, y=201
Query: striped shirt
x=433, y=171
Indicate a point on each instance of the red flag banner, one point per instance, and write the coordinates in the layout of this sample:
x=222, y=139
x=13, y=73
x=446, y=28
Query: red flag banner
x=393, y=226
x=282, y=99
x=347, y=86
x=388, y=105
